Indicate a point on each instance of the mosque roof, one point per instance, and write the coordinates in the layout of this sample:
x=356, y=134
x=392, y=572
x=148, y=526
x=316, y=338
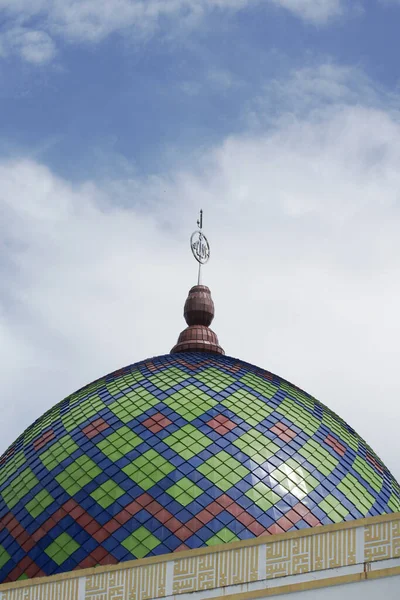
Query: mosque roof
x=180, y=451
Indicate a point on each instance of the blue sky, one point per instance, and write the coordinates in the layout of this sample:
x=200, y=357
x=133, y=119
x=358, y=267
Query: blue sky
x=119, y=119
x=148, y=96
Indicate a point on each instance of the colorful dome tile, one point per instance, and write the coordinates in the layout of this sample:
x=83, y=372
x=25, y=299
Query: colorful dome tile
x=176, y=452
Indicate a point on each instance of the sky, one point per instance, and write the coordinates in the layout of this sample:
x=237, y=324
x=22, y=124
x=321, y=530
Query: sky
x=120, y=119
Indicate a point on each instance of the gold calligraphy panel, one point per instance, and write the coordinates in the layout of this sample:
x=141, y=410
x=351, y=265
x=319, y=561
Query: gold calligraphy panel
x=382, y=541
x=141, y=583
x=215, y=570
x=311, y=553
x=47, y=591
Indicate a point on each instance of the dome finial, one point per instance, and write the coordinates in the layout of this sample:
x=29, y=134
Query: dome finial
x=199, y=307
x=200, y=246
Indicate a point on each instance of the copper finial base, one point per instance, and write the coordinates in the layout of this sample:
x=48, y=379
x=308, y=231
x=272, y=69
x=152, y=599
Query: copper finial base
x=198, y=313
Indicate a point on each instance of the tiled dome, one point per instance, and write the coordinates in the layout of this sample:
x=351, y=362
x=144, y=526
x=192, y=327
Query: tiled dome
x=180, y=451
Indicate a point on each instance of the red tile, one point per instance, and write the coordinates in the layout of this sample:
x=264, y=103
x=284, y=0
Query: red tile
x=157, y=422
x=123, y=517
x=108, y=560
x=301, y=509
x=84, y=520
x=283, y=432
x=163, y=516
x=173, y=524
x=133, y=508
x=335, y=444
x=205, y=516
x=98, y=554
x=44, y=439
x=221, y=424
x=293, y=516
x=374, y=462
x=101, y=535
x=112, y=526
x=93, y=528
x=183, y=533
x=87, y=563
x=153, y=508
x=194, y=525
x=225, y=501
x=246, y=519
x=257, y=529
x=15, y=573
x=284, y=523
x=39, y=534
x=311, y=520
x=275, y=529
x=235, y=510
x=77, y=512
x=144, y=499
x=214, y=508
x=181, y=548
x=95, y=427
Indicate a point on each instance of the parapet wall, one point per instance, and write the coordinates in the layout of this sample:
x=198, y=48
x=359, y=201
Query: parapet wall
x=350, y=552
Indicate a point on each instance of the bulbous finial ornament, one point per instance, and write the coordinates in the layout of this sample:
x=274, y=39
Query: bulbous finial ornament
x=199, y=307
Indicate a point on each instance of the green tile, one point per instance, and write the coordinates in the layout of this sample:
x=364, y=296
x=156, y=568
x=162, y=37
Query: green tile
x=356, y=493
x=79, y=413
x=4, y=557
x=300, y=396
x=119, y=443
x=39, y=503
x=170, y=377
x=58, y=452
x=394, y=502
x=295, y=479
x=140, y=542
x=78, y=474
x=318, y=456
x=334, y=509
x=298, y=416
x=107, y=493
x=19, y=487
x=225, y=536
x=260, y=385
x=263, y=496
x=184, y=491
x=190, y=402
x=188, y=441
x=339, y=428
x=11, y=467
x=133, y=404
x=61, y=548
x=257, y=446
x=148, y=469
x=215, y=379
x=248, y=407
x=215, y=469
x=368, y=473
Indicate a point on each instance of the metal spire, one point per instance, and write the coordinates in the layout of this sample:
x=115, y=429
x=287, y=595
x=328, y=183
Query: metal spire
x=200, y=246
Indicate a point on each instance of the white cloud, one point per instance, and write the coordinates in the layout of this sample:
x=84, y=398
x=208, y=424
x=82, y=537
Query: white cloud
x=93, y=20
x=36, y=47
x=315, y=11
x=303, y=219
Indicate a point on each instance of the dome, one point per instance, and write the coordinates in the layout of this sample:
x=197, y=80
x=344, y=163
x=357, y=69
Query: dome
x=180, y=451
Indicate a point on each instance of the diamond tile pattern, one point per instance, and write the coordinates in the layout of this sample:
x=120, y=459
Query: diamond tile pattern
x=192, y=448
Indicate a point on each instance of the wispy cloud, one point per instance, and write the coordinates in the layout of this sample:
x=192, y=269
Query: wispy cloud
x=303, y=218
x=35, y=47
x=90, y=21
